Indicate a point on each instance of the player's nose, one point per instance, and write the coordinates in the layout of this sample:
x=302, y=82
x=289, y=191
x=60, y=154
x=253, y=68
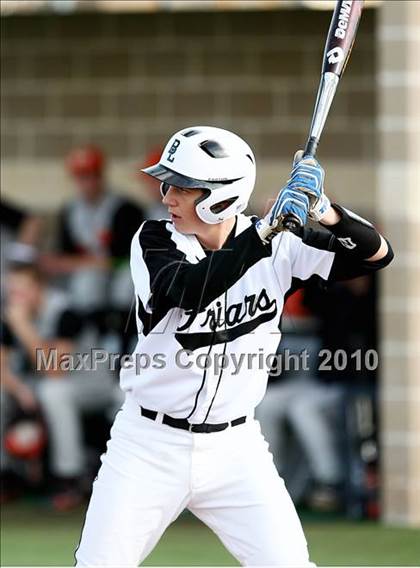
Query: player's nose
x=169, y=197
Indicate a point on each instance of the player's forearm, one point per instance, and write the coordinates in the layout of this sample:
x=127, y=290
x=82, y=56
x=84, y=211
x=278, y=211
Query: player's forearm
x=331, y=217
x=13, y=385
x=9, y=381
x=29, y=338
x=30, y=231
x=357, y=237
x=69, y=263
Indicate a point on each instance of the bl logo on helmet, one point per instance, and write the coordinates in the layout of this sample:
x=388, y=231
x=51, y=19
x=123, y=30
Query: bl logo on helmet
x=173, y=149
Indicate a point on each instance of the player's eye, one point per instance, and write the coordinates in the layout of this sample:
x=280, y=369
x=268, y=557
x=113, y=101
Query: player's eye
x=165, y=187
x=182, y=190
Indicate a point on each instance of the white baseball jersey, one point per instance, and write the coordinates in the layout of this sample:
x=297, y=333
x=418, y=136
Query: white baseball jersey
x=196, y=308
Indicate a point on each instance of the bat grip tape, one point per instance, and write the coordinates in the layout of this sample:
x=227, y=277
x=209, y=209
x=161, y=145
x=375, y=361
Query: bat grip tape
x=311, y=146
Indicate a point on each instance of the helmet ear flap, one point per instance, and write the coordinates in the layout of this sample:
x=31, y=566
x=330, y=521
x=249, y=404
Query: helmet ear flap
x=206, y=193
x=164, y=188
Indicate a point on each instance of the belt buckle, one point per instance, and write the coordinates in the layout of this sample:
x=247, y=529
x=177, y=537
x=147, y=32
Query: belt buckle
x=190, y=427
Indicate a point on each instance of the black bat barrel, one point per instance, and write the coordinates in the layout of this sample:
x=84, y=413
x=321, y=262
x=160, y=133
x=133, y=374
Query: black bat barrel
x=341, y=35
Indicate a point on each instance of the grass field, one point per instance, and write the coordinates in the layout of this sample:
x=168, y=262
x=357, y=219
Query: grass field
x=33, y=535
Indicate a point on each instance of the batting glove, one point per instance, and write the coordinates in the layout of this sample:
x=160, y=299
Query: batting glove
x=289, y=200
x=308, y=176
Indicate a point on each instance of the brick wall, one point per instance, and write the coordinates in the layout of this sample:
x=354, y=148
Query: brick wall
x=127, y=81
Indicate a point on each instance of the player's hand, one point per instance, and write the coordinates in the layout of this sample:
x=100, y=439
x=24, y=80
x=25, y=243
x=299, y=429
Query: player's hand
x=303, y=197
x=308, y=176
x=16, y=312
x=289, y=200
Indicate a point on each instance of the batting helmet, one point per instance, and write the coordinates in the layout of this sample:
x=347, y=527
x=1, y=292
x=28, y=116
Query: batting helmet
x=86, y=160
x=214, y=160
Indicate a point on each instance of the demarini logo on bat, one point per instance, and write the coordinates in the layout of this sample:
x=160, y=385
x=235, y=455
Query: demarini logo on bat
x=343, y=19
x=335, y=55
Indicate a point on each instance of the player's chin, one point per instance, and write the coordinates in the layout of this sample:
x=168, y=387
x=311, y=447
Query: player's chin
x=183, y=226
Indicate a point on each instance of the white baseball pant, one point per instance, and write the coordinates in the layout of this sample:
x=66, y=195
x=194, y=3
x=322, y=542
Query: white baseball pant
x=151, y=472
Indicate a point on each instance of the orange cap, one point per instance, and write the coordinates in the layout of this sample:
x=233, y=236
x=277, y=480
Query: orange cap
x=86, y=160
x=152, y=157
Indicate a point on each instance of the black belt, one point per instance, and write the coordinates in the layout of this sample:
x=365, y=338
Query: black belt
x=183, y=423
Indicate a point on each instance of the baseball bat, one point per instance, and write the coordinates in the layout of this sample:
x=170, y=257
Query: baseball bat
x=338, y=46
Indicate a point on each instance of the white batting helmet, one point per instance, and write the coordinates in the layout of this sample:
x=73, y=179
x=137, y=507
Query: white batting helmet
x=212, y=159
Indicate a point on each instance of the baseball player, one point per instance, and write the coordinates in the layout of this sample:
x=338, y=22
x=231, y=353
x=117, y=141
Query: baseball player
x=210, y=286
x=95, y=231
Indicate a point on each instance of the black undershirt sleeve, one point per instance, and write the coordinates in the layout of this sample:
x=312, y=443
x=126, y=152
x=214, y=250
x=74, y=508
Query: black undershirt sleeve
x=346, y=264
x=357, y=236
x=179, y=283
x=344, y=268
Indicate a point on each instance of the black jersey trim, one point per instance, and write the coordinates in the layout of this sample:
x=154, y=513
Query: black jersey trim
x=150, y=239
x=217, y=388
x=221, y=373
x=201, y=386
x=144, y=317
x=196, y=340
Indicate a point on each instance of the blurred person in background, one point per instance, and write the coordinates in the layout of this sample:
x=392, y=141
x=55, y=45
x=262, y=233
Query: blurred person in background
x=20, y=233
x=348, y=321
x=16, y=399
x=154, y=208
x=95, y=232
x=348, y=328
x=299, y=408
x=38, y=320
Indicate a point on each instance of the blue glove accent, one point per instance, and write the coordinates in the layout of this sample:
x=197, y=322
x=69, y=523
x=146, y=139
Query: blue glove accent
x=303, y=197
x=290, y=200
x=308, y=177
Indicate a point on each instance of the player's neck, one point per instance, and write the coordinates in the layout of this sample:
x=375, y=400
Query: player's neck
x=214, y=236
